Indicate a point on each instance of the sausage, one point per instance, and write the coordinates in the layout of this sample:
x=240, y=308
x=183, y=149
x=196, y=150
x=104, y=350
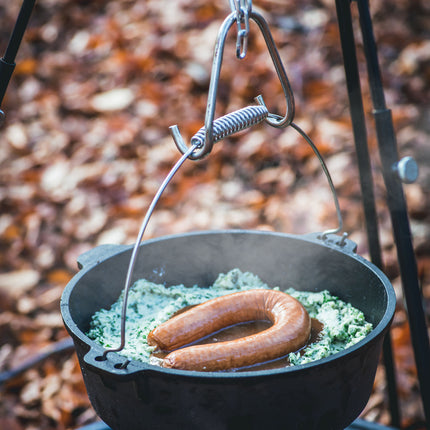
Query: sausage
x=289, y=332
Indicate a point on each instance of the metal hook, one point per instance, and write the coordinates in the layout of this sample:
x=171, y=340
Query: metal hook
x=272, y=119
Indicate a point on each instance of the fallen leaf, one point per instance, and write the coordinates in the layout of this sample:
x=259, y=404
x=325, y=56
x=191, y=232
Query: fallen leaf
x=113, y=100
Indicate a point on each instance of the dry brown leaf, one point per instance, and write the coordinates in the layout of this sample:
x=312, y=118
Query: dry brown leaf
x=18, y=282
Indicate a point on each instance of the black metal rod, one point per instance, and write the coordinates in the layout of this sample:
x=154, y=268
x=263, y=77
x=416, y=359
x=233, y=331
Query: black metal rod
x=398, y=211
x=19, y=30
x=366, y=179
x=35, y=360
x=6, y=70
x=7, y=63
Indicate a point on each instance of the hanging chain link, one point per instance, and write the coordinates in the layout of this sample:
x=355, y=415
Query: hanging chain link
x=242, y=9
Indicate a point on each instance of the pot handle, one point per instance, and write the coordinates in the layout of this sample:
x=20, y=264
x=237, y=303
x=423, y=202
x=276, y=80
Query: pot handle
x=99, y=253
x=116, y=366
x=341, y=243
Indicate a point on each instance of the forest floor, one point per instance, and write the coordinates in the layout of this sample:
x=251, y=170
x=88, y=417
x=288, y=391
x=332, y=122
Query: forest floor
x=86, y=144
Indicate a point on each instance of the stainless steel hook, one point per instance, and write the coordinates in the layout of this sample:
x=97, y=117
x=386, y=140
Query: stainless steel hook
x=210, y=137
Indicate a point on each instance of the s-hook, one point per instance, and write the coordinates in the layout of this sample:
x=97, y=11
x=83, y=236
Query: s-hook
x=213, y=131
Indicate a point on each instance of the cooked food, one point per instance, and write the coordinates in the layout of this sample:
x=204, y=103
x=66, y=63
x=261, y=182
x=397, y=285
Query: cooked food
x=290, y=331
x=340, y=325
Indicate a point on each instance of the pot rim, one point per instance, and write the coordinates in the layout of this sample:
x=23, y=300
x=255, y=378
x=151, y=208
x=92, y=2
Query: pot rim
x=135, y=366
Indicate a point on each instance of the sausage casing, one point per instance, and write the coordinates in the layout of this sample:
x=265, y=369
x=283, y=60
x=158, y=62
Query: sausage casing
x=289, y=332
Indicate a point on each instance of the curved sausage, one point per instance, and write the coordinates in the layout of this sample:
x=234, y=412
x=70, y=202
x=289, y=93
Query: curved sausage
x=290, y=331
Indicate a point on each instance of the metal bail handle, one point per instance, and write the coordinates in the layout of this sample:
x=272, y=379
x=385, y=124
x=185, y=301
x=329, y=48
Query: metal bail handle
x=214, y=131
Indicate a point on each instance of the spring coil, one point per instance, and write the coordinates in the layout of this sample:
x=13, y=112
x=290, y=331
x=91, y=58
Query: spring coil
x=232, y=123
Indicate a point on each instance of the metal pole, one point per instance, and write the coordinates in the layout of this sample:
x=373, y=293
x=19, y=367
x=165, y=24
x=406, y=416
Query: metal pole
x=398, y=211
x=366, y=181
x=7, y=63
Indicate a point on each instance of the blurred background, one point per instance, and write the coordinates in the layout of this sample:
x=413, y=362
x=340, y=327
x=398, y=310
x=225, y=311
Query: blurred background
x=86, y=145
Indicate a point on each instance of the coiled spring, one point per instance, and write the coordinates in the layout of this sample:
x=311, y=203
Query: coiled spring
x=232, y=123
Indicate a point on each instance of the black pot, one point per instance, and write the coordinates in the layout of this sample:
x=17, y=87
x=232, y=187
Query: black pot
x=326, y=394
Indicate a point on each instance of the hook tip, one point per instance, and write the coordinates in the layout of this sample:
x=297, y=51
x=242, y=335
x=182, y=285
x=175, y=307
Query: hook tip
x=177, y=138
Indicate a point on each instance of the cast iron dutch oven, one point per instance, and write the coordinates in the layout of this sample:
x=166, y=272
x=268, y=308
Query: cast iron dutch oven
x=326, y=394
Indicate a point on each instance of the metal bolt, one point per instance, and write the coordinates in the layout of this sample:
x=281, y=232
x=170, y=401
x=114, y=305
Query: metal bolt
x=407, y=170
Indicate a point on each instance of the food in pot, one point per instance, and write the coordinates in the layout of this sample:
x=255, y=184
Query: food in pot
x=150, y=304
x=289, y=332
